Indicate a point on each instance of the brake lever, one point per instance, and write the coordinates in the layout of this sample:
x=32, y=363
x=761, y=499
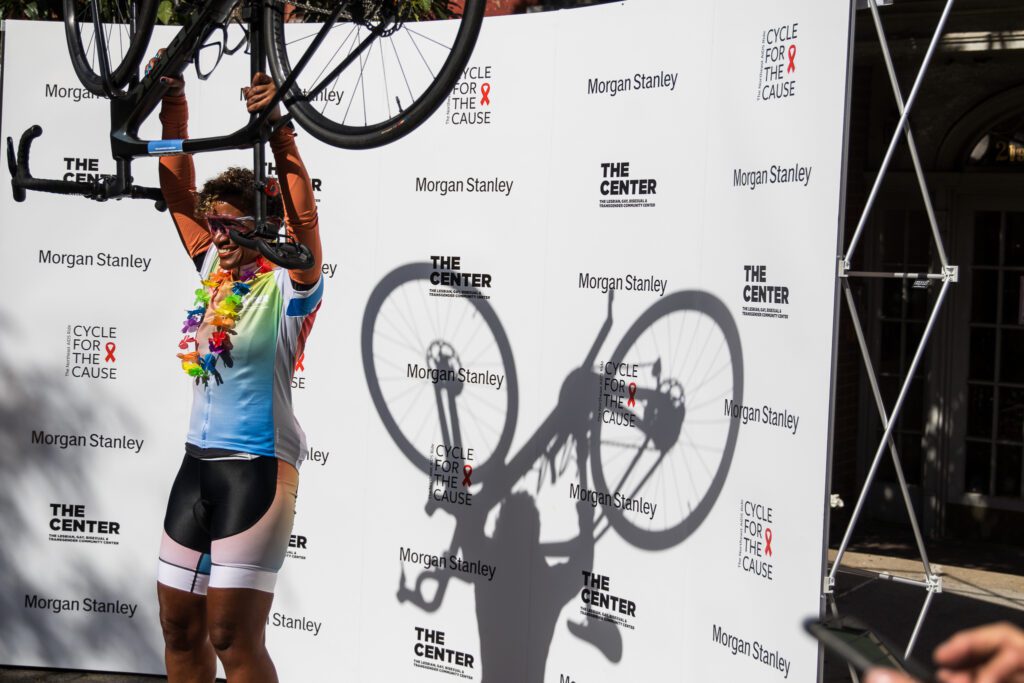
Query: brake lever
x=300, y=259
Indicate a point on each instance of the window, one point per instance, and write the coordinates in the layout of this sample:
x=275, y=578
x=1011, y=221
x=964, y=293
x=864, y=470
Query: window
x=904, y=245
x=995, y=374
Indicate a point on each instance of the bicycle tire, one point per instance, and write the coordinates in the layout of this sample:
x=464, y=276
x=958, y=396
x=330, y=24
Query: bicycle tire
x=713, y=308
x=380, y=133
x=121, y=73
x=391, y=283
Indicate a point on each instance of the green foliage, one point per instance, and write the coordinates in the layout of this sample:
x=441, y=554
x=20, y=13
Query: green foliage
x=165, y=13
x=30, y=9
x=172, y=11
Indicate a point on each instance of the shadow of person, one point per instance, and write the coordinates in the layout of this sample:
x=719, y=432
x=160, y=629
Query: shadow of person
x=517, y=611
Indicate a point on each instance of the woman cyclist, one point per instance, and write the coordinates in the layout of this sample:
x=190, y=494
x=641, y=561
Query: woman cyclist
x=232, y=503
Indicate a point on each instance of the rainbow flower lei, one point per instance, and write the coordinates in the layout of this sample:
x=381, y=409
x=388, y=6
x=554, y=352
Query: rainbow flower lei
x=204, y=366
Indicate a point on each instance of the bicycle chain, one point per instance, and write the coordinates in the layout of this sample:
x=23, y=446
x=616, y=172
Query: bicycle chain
x=371, y=11
x=310, y=8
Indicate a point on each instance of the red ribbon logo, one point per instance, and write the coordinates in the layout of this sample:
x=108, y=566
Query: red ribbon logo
x=768, y=541
x=485, y=90
x=110, y=347
x=792, y=59
x=632, y=394
x=299, y=367
x=467, y=471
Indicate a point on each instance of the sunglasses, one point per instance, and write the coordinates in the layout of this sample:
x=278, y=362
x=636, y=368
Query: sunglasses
x=220, y=223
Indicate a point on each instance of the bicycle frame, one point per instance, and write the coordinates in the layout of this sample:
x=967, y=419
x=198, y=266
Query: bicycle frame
x=130, y=109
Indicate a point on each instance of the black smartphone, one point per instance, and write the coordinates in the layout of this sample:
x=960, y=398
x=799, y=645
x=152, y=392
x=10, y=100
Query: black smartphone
x=857, y=644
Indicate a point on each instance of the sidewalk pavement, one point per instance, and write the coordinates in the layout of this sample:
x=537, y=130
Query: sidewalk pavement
x=969, y=597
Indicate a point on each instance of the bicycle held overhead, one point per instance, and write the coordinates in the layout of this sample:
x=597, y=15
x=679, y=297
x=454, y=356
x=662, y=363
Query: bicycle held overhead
x=384, y=65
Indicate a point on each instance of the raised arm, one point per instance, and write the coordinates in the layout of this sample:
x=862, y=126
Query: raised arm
x=296, y=187
x=299, y=203
x=178, y=177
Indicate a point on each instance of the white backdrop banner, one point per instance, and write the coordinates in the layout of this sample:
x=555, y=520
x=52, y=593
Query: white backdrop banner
x=567, y=398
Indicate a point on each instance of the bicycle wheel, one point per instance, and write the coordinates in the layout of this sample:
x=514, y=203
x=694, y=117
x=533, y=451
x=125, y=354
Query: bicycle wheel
x=411, y=329
x=673, y=446
x=124, y=47
x=397, y=73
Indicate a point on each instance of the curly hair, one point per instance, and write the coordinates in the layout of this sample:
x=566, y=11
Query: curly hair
x=234, y=183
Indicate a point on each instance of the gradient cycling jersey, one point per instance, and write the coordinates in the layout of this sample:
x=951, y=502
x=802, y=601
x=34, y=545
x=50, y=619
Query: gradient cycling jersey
x=251, y=412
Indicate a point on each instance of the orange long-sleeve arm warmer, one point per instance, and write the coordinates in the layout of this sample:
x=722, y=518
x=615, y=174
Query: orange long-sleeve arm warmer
x=178, y=179
x=299, y=202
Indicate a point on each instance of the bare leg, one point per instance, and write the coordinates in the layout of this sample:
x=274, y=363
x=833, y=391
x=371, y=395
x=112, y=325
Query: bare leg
x=188, y=653
x=238, y=620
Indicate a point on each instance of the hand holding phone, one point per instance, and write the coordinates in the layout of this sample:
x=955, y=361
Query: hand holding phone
x=863, y=649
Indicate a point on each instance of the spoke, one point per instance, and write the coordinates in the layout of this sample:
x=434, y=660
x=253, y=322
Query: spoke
x=314, y=34
x=389, y=362
x=690, y=409
x=387, y=95
x=696, y=451
x=425, y=63
x=621, y=445
x=110, y=32
x=425, y=301
x=447, y=47
x=401, y=67
x=636, y=459
x=643, y=481
x=362, y=81
x=725, y=366
x=448, y=309
x=418, y=343
x=700, y=355
x=687, y=357
x=427, y=414
x=476, y=422
x=711, y=364
x=489, y=426
x=396, y=341
x=476, y=331
x=331, y=59
x=679, y=342
x=88, y=48
x=358, y=84
x=338, y=77
x=675, y=480
x=401, y=333
x=415, y=328
x=488, y=404
x=120, y=32
x=393, y=400
x=476, y=361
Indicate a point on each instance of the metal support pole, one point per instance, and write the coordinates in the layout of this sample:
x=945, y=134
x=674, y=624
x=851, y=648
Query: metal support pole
x=873, y=381
x=949, y=274
x=897, y=408
x=899, y=131
x=920, y=622
x=911, y=143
